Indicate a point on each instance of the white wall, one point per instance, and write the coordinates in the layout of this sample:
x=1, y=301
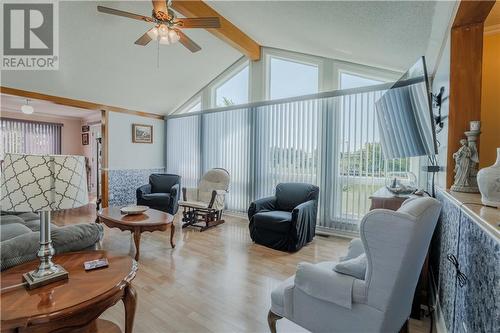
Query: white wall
x=123, y=154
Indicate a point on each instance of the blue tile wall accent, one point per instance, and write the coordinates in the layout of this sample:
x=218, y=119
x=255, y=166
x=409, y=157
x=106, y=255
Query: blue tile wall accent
x=474, y=307
x=444, y=242
x=123, y=184
x=477, y=303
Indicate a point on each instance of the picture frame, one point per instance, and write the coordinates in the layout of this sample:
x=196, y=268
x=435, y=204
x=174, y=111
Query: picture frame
x=85, y=128
x=85, y=139
x=142, y=133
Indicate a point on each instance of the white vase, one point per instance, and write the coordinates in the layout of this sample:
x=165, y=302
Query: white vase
x=488, y=180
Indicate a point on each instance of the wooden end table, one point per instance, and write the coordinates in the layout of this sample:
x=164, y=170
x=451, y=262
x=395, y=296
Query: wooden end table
x=151, y=220
x=72, y=305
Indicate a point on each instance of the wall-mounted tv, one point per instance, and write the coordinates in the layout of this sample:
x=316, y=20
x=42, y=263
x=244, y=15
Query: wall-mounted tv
x=405, y=117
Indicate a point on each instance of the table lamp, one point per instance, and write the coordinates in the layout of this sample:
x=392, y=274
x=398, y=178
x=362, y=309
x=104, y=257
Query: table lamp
x=42, y=184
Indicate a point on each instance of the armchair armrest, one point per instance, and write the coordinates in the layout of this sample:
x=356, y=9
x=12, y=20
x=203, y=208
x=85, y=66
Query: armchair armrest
x=267, y=203
x=217, y=200
x=190, y=194
x=174, y=199
x=175, y=191
x=304, y=215
x=355, y=249
x=144, y=189
x=325, y=284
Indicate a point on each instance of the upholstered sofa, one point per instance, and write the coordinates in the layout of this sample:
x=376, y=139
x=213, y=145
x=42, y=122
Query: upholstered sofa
x=19, y=233
x=162, y=192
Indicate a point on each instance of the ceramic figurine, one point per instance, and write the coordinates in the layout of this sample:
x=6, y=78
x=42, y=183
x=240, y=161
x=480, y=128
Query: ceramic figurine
x=488, y=180
x=466, y=161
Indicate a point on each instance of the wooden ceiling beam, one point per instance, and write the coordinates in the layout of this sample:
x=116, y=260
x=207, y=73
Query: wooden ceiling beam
x=228, y=32
x=75, y=102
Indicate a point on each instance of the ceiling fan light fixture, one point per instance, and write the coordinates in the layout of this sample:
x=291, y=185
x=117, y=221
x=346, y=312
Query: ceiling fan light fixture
x=162, y=30
x=173, y=36
x=26, y=108
x=153, y=33
x=164, y=40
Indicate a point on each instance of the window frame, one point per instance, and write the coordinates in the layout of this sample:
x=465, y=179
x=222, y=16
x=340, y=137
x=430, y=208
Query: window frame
x=189, y=104
x=298, y=58
x=231, y=72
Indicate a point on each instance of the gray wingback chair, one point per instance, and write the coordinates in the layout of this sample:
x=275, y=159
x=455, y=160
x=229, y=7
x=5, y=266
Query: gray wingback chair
x=287, y=220
x=162, y=192
x=395, y=244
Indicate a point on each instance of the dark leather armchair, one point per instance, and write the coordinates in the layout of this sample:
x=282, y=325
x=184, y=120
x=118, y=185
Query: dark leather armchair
x=162, y=192
x=286, y=221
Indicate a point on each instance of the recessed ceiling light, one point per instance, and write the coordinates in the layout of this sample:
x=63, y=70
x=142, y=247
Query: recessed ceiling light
x=27, y=108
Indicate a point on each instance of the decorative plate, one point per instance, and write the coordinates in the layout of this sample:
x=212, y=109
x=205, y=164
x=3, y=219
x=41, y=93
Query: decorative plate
x=132, y=210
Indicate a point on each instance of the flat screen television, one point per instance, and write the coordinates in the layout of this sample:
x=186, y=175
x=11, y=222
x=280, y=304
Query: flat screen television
x=405, y=117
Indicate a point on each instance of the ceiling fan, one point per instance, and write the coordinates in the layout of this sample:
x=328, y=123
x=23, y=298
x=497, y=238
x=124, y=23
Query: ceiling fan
x=167, y=26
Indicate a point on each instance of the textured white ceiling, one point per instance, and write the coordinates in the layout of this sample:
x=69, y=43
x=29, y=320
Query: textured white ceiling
x=99, y=61
x=13, y=104
x=390, y=34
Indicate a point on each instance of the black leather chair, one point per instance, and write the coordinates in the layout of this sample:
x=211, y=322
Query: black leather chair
x=286, y=221
x=162, y=192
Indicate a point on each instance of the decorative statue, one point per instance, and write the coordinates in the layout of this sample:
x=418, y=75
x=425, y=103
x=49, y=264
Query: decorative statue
x=466, y=161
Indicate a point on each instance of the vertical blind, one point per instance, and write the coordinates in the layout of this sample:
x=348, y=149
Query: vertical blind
x=28, y=137
x=328, y=139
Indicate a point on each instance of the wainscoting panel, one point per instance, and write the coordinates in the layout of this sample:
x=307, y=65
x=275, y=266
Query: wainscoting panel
x=123, y=184
x=444, y=242
x=474, y=307
x=477, y=303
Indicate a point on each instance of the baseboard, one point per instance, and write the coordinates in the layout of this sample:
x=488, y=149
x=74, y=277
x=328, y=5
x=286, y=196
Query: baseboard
x=437, y=315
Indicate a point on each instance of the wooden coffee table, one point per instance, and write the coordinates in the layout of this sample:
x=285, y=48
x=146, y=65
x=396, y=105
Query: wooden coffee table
x=72, y=305
x=151, y=220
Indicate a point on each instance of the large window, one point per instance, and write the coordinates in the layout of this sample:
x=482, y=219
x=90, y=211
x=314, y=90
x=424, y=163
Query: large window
x=233, y=90
x=27, y=137
x=288, y=78
x=362, y=169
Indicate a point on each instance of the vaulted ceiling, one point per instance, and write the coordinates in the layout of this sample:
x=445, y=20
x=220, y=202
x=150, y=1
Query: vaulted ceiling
x=100, y=63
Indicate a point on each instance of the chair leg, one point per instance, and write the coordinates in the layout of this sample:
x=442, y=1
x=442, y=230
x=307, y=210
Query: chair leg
x=271, y=320
x=405, y=328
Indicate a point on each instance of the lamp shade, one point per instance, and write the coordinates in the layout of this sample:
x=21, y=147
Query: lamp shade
x=32, y=183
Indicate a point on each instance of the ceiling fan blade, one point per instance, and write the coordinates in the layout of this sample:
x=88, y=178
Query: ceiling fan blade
x=144, y=39
x=117, y=12
x=198, y=22
x=188, y=42
x=160, y=6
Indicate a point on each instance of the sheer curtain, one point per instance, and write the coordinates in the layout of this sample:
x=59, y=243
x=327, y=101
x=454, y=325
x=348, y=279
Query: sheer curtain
x=29, y=137
x=329, y=139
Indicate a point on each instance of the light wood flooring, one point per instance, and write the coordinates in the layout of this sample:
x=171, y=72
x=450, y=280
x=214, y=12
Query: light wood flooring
x=213, y=281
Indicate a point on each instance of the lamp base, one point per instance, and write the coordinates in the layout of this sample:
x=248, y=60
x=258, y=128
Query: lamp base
x=34, y=281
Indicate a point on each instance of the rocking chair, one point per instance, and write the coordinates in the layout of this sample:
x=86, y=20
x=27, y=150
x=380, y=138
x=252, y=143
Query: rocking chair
x=203, y=206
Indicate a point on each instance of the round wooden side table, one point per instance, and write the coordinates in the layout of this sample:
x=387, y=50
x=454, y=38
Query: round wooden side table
x=151, y=220
x=73, y=305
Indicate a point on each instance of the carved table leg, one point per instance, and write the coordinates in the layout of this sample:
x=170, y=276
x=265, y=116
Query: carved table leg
x=129, y=301
x=172, y=232
x=137, y=242
x=271, y=320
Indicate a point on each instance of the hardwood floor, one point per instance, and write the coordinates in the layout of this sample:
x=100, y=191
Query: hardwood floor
x=213, y=281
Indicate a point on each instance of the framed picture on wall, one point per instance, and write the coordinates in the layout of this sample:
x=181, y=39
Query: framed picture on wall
x=85, y=139
x=142, y=133
x=85, y=128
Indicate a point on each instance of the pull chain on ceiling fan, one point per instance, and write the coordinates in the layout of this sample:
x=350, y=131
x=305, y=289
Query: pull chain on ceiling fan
x=167, y=26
